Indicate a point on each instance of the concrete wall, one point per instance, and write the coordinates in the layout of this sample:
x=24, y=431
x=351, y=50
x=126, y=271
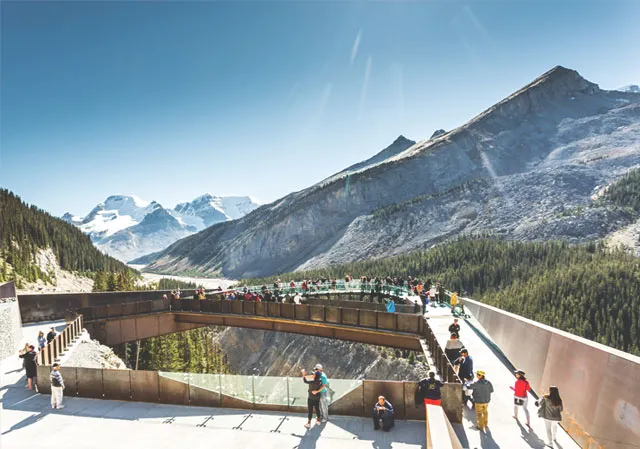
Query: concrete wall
x=598, y=384
x=10, y=324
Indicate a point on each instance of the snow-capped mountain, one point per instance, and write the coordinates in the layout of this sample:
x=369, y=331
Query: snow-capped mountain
x=208, y=209
x=633, y=88
x=127, y=227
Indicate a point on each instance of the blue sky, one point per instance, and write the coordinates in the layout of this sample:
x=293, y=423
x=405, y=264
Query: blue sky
x=169, y=100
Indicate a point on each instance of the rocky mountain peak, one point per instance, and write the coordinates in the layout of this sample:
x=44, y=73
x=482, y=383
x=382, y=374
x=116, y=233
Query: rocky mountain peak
x=437, y=133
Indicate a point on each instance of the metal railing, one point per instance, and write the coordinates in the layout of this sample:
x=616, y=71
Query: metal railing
x=351, y=397
x=440, y=360
x=339, y=286
x=54, y=349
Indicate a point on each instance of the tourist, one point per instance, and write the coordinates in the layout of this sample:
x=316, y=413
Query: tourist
x=482, y=390
x=383, y=414
x=390, y=305
x=440, y=292
x=432, y=294
x=454, y=328
x=42, y=341
x=57, y=386
x=324, y=393
x=29, y=362
x=465, y=365
x=429, y=390
x=551, y=412
x=520, y=395
x=454, y=301
x=453, y=347
x=313, y=401
x=51, y=335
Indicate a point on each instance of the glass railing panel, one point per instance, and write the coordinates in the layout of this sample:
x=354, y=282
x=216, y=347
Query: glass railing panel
x=210, y=382
x=340, y=387
x=240, y=387
x=271, y=390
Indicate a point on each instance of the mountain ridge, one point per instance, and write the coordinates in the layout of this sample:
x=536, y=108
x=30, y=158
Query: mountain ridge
x=511, y=169
x=128, y=227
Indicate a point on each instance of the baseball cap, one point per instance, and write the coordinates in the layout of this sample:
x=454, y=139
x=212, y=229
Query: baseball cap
x=318, y=366
x=480, y=373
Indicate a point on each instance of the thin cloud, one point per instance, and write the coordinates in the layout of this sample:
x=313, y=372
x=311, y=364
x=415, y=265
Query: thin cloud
x=365, y=86
x=475, y=21
x=356, y=46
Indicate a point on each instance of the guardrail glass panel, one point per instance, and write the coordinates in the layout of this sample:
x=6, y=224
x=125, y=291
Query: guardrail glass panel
x=210, y=382
x=240, y=387
x=271, y=390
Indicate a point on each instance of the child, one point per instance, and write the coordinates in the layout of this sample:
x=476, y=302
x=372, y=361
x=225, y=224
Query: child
x=57, y=386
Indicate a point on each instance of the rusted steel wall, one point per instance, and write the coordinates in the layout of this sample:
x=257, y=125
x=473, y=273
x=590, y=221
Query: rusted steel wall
x=598, y=384
x=53, y=306
x=151, y=386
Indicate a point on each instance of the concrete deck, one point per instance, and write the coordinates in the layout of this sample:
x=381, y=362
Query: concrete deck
x=27, y=421
x=504, y=431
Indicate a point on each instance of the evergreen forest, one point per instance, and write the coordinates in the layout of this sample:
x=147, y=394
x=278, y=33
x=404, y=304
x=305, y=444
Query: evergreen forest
x=587, y=290
x=26, y=229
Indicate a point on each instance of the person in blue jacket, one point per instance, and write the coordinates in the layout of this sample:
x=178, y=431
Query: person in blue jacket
x=383, y=414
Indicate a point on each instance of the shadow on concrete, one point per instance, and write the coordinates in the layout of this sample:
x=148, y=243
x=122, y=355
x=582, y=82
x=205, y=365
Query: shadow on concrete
x=487, y=441
x=530, y=437
x=16, y=397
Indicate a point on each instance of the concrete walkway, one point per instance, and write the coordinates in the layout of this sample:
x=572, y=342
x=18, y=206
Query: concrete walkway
x=504, y=431
x=27, y=421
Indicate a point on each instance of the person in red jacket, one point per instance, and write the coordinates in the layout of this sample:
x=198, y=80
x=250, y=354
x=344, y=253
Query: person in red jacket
x=521, y=395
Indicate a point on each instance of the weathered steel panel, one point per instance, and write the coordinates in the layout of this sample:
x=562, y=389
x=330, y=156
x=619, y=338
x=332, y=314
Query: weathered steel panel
x=176, y=304
x=248, y=307
x=225, y=306
x=350, y=317
x=332, y=315
x=616, y=415
x=42, y=379
x=413, y=410
x=193, y=305
x=451, y=394
x=129, y=308
x=301, y=312
x=368, y=318
x=144, y=386
x=236, y=307
x=273, y=309
x=261, y=308
x=393, y=392
x=316, y=313
x=100, y=312
x=386, y=320
x=408, y=323
x=116, y=384
x=158, y=305
x=288, y=311
x=114, y=310
x=147, y=326
x=70, y=381
x=586, y=374
x=207, y=306
x=351, y=404
x=114, y=335
x=128, y=328
x=145, y=306
x=203, y=397
x=166, y=323
x=89, y=382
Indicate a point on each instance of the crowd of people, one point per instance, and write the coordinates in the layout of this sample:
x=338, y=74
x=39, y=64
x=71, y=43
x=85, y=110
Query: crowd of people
x=477, y=389
x=29, y=356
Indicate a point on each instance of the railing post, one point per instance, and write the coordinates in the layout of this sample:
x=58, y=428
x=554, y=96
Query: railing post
x=288, y=395
x=253, y=389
